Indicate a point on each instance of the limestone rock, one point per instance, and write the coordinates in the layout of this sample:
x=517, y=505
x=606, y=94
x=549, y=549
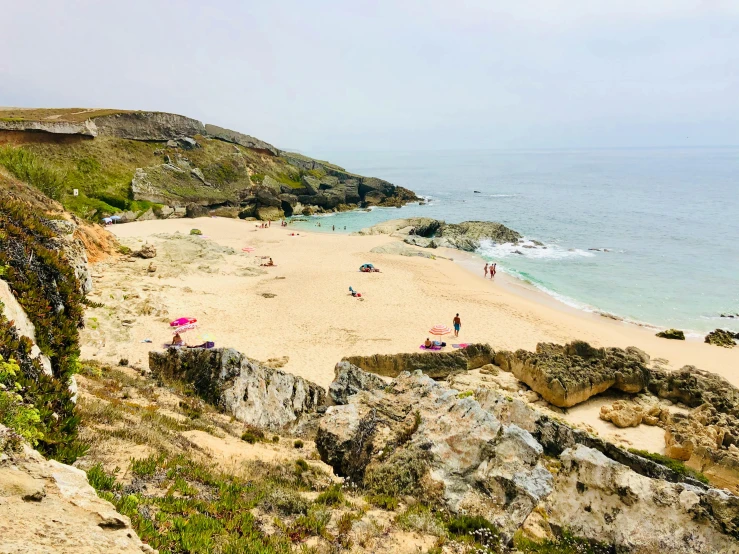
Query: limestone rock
x=14, y=312
x=722, y=337
x=85, y=128
x=349, y=379
x=454, y=450
x=241, y=139
x=622, y=414
x=437, y=365
x=155, y=126
x=570, y=374
x=470, y=234
x=251, y=392
x=269, y=213
x=147, y=251
x=74, y=250
x=641, y=514
x=46, y=506
x=674, y=334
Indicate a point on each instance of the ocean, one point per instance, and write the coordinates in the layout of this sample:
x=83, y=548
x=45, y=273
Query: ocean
x=665, y=222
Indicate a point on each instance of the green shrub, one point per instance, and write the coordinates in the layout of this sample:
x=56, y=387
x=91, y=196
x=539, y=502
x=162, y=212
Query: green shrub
x=196, y=232
x=257, y=178
x=252, y=435
x=22, y=418
x=298, y=444
x=100, y=480
x=46, y=287
x=28, y=167
x=675, y=465
x=383, y=501
x=302, y=465
x=331, y=496
x=476, y=529
x=566, y=543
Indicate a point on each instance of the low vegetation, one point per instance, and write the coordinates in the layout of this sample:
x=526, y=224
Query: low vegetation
x=41, y=406
x=32, y=169
x=675, y=465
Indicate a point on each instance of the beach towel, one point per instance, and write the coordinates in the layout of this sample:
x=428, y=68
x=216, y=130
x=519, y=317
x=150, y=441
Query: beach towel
x=423, y=347
x=463, y=345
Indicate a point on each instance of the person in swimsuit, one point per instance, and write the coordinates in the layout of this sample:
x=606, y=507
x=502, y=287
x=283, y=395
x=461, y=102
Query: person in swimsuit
x=177, y=340
x=457, y=325
x=493, y=269
x=486, y=269
x=428, y=343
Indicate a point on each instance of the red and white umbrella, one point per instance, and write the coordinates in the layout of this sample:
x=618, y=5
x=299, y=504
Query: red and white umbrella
x=440, y=330
x=183, y=328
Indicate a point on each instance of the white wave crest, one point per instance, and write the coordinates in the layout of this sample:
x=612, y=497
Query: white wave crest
x=529, y=249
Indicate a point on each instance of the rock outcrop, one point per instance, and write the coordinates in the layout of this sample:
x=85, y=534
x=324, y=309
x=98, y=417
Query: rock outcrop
x=74, y=250
x=432, y=233
x=570, y=374
x=13, y=312
x=85, y=128
x=501, y=459
x=46, y=506
x=241, y=139
x=722, y=337
x=349, y=380
x=252, y=393
x=420, y=438
x=674, y=334
x=150, y=126
x=437, y=365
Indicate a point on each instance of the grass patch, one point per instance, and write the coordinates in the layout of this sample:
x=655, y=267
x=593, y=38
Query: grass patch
x=566, y=543
x=28, y=167
x=383, y=501
x=331, y=496
x=675, y=465
x=298, y=444
x=422, y=519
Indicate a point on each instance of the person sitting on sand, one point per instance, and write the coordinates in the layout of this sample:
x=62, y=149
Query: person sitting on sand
x=177, y=340
x=270, y=263
x=428, y=343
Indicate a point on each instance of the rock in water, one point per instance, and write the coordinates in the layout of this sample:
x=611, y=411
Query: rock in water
x=570, y=374
x=349, y=379
x=251, y=392
x=721, y=337
x=469, y=234
x=674, y=334
x=437, y=365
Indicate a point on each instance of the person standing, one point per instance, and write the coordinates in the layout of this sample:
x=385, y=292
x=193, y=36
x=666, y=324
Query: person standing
x=486, y=270
x=493, y=270
x=457, y=325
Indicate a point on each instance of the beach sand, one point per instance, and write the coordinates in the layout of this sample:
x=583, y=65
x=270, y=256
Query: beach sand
x=302, y=308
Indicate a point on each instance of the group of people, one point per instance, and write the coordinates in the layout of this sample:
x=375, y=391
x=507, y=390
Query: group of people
x=177, y=341
x=264, y=225
x=456, y=322
x=491, y=269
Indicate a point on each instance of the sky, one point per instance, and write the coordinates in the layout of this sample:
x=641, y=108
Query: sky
x=320, y=76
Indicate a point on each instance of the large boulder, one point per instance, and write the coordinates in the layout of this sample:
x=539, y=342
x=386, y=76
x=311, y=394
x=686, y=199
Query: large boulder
x=417, y=437
x=349, y=380
x=269, y=213
x=468, y=235
x=252, y=393
x=674, y=334
x=722, y=337
x=46, y=506
x=437, y=365
x=598, y=498
x=570, y=374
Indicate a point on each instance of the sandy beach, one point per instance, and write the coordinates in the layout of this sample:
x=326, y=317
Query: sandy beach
x=300, y=315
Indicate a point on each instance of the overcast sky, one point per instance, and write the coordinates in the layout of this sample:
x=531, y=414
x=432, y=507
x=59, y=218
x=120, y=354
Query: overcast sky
x=360, y=75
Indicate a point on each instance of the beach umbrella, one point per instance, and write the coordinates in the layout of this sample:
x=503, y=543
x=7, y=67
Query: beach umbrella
x=183, y=328
x=115, y=217
x=440, y=330
x=248, y=249
x=182, y=321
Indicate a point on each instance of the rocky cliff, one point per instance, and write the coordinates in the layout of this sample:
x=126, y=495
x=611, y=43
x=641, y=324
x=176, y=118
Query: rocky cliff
x=154, y=165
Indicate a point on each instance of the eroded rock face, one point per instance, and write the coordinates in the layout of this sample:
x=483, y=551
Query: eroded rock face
x=597, y=497
x=418, y=437
x=85, y=128
x=155, y=126
x=437, y=365
x=570, y=374
x=74, y=250
x=469, y=235
x=349, y=380
x=252, y=393
x=46, y=506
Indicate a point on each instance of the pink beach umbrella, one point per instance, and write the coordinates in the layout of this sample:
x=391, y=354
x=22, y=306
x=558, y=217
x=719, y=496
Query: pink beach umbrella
x=440, y=330
x=182, y=321
x=183, y=328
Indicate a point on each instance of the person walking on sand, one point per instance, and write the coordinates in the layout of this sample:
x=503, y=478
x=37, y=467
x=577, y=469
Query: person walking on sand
x=457, y=325
x=493, y=269
x=486, y=270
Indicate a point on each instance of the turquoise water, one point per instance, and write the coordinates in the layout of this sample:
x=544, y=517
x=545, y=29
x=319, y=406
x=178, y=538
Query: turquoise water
x=669, y=218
